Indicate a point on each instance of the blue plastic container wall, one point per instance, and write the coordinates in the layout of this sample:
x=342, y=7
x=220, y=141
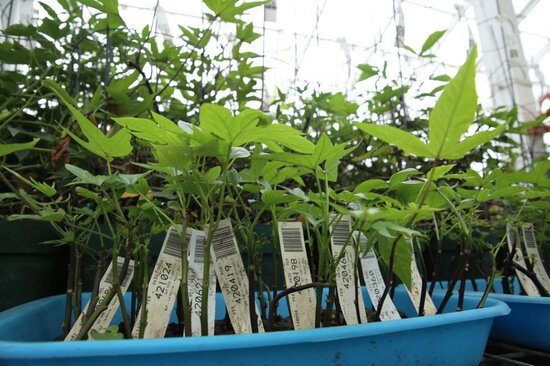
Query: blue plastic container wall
x=26, y=334
x=528, y=322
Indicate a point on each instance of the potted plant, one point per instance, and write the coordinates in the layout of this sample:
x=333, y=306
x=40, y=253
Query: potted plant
x=191, y=186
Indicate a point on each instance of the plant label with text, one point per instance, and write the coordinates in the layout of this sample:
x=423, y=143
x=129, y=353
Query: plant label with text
x=375, y=282
x=513, y=241
x=163, y=287
x=347, y=281
x=105, y=285
x=231, y=275
x=534, y=255
x=195, y=279
x=296, y=269
x=416, y=287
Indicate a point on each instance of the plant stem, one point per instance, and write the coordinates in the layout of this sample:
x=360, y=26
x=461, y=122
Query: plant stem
x=274, y=303
x=410, y=221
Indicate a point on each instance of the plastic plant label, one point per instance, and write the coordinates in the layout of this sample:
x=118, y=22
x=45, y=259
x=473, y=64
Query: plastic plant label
x=513, y=239
x=533, y=253
x=375, y=282
x=163, y=287
x=416, y=287
x=231, y=275
x=347, y=282
x=296, y=269
x=195, y=279
x=105, y=318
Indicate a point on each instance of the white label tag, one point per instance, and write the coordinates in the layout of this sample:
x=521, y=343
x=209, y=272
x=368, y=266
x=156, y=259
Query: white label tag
x=346, y=272
x=105, y=318
x=163, y=287
x=375, y=282
x=195, y=279
x=513, y=238
x=296, y=269
x=533, y=253
x=231, y=274
x=416, y=287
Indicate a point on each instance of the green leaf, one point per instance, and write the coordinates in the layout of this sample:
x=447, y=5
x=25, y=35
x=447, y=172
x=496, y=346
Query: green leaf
x=108, y=148
x=273, y=198
x=228, y=10
x=109, y=334
x=81, y=191
x=431, y=41
x=45, y=189
x=406, y=141
x=470, y=143
x=370, y=185
x=62, y=93
x=367, y=71
x=6, y=149
x=454, y=111
x=440, y=171
x=402, y=260
x=20, y=30
x=85, y=177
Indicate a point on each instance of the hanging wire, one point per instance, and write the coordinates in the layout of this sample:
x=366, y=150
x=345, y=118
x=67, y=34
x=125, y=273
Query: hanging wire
x=313, y=32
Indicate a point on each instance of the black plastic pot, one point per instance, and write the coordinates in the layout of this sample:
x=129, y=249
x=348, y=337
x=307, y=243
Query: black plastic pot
x=30, y=270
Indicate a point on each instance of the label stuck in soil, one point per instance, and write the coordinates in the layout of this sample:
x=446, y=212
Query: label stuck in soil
x=195, y=279
x=534, y=255
x=513, y=239
x=347, y=280
x=296, y=269
x=375, y=282
x=163, y=287
x=105, y=318
x=231, y=275
x=416, y=287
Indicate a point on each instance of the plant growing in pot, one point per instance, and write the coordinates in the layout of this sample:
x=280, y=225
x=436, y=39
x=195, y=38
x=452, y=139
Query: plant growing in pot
x=519, y=266
x=199, y=168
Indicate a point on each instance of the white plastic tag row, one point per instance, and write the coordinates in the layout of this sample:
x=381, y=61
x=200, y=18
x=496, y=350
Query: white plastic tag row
x=163, y=287
x=231, y=274
x=347, y=282
x=513, y=239
x=416, y=287
x=105, y=318
x=533, y=253
x=195, y=280
x=375, y=282
x=296, y=269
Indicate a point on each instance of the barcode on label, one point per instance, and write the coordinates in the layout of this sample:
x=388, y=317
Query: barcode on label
x=292, y=239
x=126, y=279
x=199, y=249
x=173, y=243
x=529, y=236
x=222, y=243
x=340, y=232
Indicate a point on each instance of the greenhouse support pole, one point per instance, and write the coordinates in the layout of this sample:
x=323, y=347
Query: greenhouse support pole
x=507, y=69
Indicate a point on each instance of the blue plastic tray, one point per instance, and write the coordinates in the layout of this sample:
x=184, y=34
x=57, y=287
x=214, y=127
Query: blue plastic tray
x=528, y=323
x=448, y=339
